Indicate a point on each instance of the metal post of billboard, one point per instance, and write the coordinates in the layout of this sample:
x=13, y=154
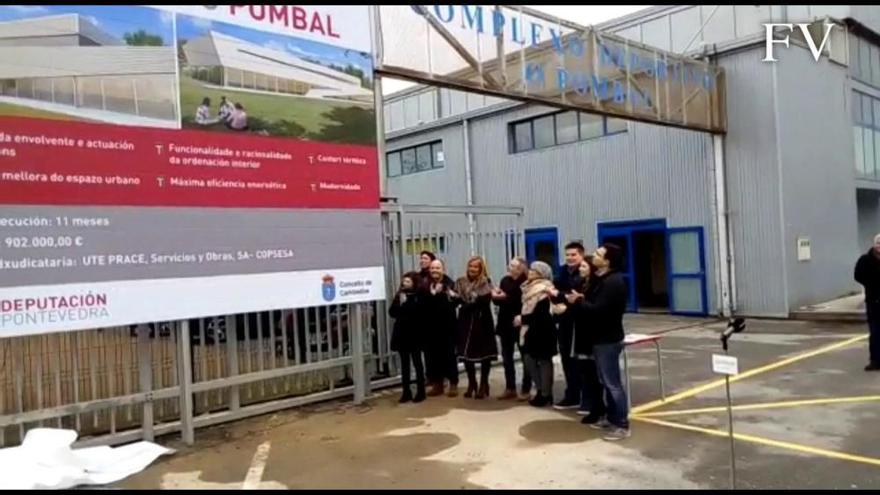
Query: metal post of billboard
x=358, y=372
x=378, y=99
x=184, y=377
x=145, y=377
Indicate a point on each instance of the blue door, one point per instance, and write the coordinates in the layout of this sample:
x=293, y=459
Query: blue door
x=686, y=267
x=543, y=245
x=622, y=234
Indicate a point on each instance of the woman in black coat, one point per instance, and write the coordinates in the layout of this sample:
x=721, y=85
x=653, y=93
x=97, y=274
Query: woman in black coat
x=476, y=328
x=406, y=337
x=437, y=317
x=508, y=298
x=592, y=402
x=538, y=331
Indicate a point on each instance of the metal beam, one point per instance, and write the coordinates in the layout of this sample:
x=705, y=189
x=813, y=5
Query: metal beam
x=466, y=85
x=451, y=210
x=87, y=406
x=461, y=50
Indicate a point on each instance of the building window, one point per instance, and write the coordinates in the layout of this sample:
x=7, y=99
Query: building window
x=146, y=95
x=864, y=61
x=421, y=158
x=866, y=135
x=567, y=127
x=522, y=137
x=560, y=128
x=544, y=130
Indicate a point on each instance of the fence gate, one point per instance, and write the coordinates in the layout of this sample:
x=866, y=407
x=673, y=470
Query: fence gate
x=454, y=234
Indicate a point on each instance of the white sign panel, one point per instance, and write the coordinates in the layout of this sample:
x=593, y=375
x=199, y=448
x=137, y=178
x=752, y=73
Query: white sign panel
x=804, y=249
x=725, y=365
x=31, y=310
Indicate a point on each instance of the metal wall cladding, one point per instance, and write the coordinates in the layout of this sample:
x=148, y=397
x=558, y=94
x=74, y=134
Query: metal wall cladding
x=441, y=186
x=753, y=186
x=645, y=173
x=818, y=175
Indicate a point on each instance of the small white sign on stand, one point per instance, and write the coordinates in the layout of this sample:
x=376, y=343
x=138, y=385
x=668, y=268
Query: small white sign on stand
x=725, y=365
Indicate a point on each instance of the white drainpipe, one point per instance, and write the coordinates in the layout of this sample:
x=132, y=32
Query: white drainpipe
x=469, y=182
x=722, y=235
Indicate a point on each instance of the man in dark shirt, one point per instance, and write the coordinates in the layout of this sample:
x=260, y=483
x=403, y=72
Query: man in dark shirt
x=568, y=279
x=867, y=273
x=605, y=306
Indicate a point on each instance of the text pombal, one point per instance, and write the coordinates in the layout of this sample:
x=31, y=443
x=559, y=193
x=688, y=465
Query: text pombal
x=290, y=16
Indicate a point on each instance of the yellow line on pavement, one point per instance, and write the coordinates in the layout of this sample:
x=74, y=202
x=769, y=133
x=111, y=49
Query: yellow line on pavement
x=756, y=371
x=765, y=405
x=766, y=441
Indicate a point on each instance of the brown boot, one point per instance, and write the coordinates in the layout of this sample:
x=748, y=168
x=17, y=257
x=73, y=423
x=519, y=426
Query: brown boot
x=453, y=391
x=436, y=390
x=508, y=395
x=471, y=390
x=484, y=391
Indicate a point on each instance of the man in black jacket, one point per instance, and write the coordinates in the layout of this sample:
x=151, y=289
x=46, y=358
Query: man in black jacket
x=868, y=274
x=605, y=306
x=568, y=279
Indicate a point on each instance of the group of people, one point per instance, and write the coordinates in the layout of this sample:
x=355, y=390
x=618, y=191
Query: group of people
x=578, y=314
x=232, y=115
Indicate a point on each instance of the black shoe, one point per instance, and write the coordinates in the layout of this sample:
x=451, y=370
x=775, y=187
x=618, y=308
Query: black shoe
x=591, y=419
x=420, y=397
x=406, y=397
x=567, y=404
x=540, y=401
x=872, y=367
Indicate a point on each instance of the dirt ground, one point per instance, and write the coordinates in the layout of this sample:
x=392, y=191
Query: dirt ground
x=807, y=419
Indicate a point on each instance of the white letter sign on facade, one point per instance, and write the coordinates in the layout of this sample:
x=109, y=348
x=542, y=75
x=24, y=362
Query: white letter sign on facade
x=517, y=53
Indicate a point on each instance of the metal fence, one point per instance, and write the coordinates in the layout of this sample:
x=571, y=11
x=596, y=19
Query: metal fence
x=116, y=385
x=454, y=234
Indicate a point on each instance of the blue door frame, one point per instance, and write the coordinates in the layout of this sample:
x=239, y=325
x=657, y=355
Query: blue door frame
x=626, y=231
x=543, y=234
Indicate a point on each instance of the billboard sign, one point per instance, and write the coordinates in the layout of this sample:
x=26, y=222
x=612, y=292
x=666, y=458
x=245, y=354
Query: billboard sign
x=172, y=162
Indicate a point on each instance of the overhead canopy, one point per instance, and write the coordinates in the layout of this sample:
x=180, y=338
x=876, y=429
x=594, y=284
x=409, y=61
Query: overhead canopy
x=521, y=54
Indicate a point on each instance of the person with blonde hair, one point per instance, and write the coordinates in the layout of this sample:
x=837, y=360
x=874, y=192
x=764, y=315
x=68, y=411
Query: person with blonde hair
x=476, y=332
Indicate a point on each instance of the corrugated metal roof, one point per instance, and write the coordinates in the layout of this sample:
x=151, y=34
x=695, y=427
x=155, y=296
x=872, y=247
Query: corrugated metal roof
x=66, y=61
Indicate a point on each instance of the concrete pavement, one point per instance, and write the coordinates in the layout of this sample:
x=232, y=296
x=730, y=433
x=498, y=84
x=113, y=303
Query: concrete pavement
x=830, y=441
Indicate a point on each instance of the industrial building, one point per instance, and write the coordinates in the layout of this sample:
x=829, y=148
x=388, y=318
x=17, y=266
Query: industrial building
x=65, y=64
x=233, y=63
x=801, y=157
